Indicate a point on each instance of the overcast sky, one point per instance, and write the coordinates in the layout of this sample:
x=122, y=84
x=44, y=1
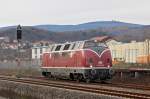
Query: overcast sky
x=33, y=12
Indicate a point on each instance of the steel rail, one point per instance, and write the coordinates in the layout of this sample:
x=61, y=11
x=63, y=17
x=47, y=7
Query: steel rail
x=132, y=86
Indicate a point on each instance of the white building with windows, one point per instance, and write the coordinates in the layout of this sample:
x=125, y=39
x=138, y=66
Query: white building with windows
x=37, y=51
x=133, y=52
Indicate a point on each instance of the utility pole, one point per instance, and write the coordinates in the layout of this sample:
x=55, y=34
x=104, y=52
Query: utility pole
x=148, y=52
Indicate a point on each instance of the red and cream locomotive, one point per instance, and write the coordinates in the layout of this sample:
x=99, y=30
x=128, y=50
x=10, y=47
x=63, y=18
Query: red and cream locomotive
x=82, y=60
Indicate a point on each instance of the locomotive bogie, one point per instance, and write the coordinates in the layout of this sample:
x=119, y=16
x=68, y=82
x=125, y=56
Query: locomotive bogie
x=77, y=74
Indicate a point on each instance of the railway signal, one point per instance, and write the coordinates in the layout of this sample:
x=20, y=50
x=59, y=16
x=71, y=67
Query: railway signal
x=19, y=33
x=19, y=37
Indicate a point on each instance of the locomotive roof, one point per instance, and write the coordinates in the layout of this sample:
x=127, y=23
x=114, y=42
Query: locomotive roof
x=68, y=46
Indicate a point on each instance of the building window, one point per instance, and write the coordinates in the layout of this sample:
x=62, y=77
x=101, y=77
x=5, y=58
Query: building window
x=40, y=50
x=40, y=56
x=114, y=53
x=47, y=50
x=35, y=50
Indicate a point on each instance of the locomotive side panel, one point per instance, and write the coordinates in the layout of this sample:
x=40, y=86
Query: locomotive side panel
x=62, y=64
x=67, y=59
x=45, y=60
x=85, y=62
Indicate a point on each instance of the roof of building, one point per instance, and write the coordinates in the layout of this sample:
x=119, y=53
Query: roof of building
x=102, y=38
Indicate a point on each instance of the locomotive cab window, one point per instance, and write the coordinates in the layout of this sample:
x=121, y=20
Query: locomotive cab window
x=102, y=44
x=90, y=44
x=58, y=48
x=66, y=47
x=94, y=44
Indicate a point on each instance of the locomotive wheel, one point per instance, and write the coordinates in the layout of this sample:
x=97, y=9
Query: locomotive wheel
x=71, y=76
x=88, y=80
x=44, y=74
x=47, y=74
x=79, y=77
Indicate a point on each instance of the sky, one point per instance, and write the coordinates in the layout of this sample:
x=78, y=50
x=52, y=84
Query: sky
x=35, y=12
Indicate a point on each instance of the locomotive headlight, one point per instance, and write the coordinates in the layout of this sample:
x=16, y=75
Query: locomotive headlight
x=91, y=66
x=90, y=61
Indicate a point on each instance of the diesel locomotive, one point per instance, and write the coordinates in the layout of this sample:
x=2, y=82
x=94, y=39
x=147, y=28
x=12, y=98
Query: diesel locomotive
x=87, y=60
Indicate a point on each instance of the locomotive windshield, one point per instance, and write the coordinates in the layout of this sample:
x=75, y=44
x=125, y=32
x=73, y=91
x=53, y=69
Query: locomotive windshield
x=93, y=44
x=96, y=46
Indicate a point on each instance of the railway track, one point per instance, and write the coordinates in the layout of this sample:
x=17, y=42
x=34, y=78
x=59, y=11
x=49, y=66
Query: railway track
x=131, y=86
x=80, y=87
x=120, y=85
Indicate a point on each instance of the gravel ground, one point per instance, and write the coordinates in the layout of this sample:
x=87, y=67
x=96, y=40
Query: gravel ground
x=43, y=92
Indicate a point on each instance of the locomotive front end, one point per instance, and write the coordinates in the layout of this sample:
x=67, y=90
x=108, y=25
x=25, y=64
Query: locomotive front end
x=99, y=61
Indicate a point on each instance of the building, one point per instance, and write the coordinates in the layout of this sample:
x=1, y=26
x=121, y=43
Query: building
x=37, y=51
x=133, y=52
x=102, y=38
x=39, y=48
